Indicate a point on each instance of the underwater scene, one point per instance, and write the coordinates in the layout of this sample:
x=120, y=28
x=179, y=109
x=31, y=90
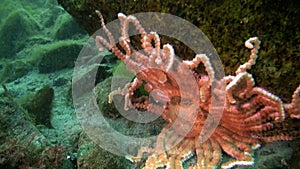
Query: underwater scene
x=97, y=84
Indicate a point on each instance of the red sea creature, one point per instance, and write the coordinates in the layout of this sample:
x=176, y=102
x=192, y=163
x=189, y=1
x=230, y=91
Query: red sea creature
x=249, y=112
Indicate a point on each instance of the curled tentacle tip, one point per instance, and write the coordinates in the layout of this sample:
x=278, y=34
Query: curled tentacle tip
x=249, y=45
x=249, y=42
x=121, y=15
x=98, y=12
x=167, y=47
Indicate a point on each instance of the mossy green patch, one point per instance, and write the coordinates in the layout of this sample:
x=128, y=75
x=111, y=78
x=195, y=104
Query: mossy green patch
x=15, y=30
x=14, y=70
x=39, y=105
x=55, y=56
x=91, y=156
x=66, y=28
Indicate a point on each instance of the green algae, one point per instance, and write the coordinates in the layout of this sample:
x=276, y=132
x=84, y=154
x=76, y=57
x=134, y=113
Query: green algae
x=39, y=105
x=15, y=30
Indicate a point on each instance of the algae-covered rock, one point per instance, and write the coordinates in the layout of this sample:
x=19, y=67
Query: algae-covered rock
x=14, y=70
x=102, y=91
x=295, y=145
x=39, y=105
x=15, y=30
x=56, y=56
x=97, y=68
x=22, y=145
x=271, y=156
x=66, y=28
x=91, y=156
